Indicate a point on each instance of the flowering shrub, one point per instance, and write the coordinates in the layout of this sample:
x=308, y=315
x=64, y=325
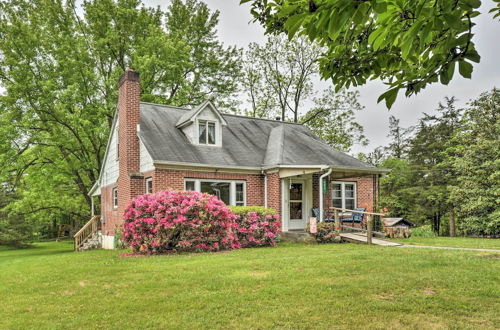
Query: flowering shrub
x=326, y=233
x=257, y=226
x=179, y=221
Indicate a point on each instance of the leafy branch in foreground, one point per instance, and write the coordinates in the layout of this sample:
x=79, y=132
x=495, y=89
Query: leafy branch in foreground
x=408, y=44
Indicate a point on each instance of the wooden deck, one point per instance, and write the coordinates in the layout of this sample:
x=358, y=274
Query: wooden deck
x=361, y=238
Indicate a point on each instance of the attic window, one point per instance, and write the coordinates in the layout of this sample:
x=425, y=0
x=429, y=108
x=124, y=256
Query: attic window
x=206, y=130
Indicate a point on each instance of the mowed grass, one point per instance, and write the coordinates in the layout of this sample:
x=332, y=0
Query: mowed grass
x=465, y=242
x=290, y=286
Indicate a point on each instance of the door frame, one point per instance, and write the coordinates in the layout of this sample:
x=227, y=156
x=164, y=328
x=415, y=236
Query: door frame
x=287, y=223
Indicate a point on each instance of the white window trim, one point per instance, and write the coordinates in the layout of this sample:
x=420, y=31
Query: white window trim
x=206, y=132
x=342, y=189
x=148, y=180
x=232, y=188
x=115, y=199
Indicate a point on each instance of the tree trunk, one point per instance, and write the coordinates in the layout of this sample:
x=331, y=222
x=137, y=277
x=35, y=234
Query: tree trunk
x=453, y=229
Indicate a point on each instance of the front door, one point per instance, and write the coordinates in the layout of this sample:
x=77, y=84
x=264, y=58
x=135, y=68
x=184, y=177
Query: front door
x=296, y=205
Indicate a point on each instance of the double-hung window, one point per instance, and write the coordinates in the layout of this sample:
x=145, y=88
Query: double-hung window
x=229, y=191
x=149, y=185
x=344, y=195
x=206, y=132
x=115, y=197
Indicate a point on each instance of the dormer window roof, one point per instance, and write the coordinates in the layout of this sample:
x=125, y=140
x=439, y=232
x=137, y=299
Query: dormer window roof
x=190, y=116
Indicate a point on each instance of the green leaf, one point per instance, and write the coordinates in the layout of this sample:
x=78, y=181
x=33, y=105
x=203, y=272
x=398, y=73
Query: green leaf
x=294, y=23
x=473, y=3
x=380, y=6
x=465, y=69
x=389, y=96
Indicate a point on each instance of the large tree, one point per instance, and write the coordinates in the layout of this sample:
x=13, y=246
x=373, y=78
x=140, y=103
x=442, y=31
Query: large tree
x=408, y=44
x=279, y=74
x=59, y=67
x=333, y=118
x=475, y=162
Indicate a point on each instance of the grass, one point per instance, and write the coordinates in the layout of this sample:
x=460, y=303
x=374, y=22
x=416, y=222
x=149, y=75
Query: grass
x=290, y=286
x=466, y=242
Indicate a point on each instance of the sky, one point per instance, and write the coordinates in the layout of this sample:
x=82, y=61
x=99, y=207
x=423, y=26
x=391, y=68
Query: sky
x=236, y=28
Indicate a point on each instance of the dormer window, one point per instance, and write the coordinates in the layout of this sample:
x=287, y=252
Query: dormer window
x=206, y=131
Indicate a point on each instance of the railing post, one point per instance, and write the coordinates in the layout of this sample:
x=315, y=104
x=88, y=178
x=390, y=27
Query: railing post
x=337, y=220
x=369, y=229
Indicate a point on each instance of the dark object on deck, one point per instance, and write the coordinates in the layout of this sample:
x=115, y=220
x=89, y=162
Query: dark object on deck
x=397, y=227
x=356, y=217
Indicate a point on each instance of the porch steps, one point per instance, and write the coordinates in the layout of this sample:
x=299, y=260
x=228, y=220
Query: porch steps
x=361, y=238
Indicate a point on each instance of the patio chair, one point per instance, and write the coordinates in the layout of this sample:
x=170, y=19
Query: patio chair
x=356, y=217
x=315, y=213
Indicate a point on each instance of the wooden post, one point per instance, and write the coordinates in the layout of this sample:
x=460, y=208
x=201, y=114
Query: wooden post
x=337, y=220
x=369, y=229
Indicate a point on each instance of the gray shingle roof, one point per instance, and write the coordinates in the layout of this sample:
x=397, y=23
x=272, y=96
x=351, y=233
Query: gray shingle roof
x=246, y=142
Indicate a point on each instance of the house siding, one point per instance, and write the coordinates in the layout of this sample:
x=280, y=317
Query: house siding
x=110, y=168
x=174, y=179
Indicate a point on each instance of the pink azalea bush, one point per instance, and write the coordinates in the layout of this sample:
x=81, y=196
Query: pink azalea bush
x=257, y=226
x=179, y=221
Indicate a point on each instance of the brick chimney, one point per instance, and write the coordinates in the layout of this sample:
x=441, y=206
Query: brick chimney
x=130, y=180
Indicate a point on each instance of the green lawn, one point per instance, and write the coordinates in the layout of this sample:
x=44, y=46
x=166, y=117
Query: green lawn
x=290, y=286
x=466, y=242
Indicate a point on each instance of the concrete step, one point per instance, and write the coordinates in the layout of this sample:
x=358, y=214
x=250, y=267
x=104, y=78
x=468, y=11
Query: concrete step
x=299, y=236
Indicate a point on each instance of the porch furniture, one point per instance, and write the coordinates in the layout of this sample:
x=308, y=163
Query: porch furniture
x=355, y=217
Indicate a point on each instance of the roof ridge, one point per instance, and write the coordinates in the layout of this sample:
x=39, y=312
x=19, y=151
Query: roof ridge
x=168, y=106
x=265, y=119
x=224, y=114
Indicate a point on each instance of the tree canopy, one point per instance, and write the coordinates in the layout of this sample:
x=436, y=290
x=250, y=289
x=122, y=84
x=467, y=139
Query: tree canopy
x=408, y=44
x=59, y=67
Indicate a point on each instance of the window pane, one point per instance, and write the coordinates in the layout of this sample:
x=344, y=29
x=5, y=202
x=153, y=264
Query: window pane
x=349, y=191
x=211, y=133
x=203, y=132
x=296, y=192
x=337, y=203
x=240, y=196
x=219, y=189
x=189, y=185
x=149, y=186
x=349, y=204
x=295, y=210
x=337, y=190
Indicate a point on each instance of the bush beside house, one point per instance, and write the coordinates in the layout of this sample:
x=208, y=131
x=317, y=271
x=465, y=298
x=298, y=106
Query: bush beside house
x=257, y=226
x=177, y=221
x=326, y=233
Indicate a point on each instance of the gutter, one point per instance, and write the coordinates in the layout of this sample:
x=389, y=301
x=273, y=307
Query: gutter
x=321, y=193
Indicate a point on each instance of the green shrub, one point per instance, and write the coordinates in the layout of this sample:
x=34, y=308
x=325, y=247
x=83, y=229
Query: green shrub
x=423, y=231
x=326, y=233
x=242, y=210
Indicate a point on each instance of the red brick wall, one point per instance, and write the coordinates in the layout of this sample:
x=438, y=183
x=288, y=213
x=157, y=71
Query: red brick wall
x=111, y=216
x=274, y=191
x=174, y=179
x=130, y=181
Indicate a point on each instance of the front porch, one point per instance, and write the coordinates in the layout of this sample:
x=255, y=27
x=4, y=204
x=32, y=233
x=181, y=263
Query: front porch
x=311, y=192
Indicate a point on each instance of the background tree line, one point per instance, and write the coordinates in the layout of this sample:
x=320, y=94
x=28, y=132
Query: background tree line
x=59, y=66
x=446, y=169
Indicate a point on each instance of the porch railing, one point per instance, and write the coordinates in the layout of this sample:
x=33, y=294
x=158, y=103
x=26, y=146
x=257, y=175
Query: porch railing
x=89, y=229
x=369, y=221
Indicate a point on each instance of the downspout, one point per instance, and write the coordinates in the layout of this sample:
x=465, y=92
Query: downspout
x=321, y=193
x=265, y=189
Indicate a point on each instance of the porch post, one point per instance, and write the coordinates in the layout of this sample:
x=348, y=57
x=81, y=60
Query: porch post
x=92, y=211
x=321, y=217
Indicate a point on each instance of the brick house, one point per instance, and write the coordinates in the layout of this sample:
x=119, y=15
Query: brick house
x=242, y=160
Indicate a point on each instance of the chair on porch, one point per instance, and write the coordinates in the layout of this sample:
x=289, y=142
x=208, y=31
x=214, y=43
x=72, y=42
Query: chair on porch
x=315, y=213
x=355, y=217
